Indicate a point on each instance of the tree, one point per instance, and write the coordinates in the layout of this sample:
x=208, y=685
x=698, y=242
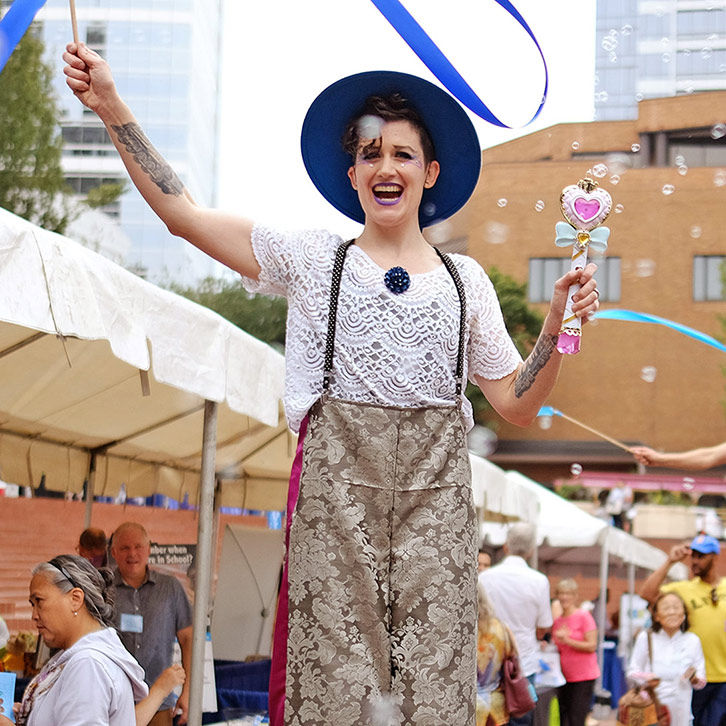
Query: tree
x=31, y=178
x=524, y=325
x=262, y=316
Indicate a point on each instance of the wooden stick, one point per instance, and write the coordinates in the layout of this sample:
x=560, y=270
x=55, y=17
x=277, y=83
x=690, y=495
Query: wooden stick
x=74, y=22
x=615, y=442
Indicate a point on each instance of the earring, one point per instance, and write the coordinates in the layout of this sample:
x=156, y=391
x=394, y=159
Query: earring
x=75, y=613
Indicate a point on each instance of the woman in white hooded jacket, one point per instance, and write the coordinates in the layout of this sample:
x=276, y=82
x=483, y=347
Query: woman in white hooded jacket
x=93, y=680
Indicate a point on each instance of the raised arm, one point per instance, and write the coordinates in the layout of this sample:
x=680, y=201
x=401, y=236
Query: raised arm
x=225, y=237
x=651, y=586
x=519, y=396
x=704, y=458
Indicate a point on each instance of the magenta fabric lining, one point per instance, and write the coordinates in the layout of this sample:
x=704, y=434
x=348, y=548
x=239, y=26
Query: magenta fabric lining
x=279, y=643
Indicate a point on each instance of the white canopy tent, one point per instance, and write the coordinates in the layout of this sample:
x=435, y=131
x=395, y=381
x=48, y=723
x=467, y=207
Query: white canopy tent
x=109, y=379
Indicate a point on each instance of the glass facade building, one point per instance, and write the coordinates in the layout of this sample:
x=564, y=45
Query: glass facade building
x=655, y=48
x=165, y=57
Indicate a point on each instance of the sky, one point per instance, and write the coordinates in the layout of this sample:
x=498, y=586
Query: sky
x=278, y=55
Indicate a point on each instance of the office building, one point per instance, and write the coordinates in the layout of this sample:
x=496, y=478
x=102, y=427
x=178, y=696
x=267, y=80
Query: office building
x=653, y=48
x=164, y=55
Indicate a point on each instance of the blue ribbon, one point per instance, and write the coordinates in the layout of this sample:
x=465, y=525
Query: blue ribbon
x=14, y=24
x=425, y=48
x=634, y=317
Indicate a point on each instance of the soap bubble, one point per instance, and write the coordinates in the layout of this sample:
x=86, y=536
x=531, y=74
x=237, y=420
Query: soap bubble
x=575, y=145
x=648, y=373
x=496, y=233
x=639, y=97
x=680, y=160
x=668, y=189
x=619, y=208
x=615, y=179
x=613, y=56
x=695, y=231
x=544, y=422
x=626, y=30
x=539, y=205
x=502, y=202
x=683, y=170
x=644, y=268
x=610, y=41
x=599, y=170
x=601, y=97
x=429, y=209
x=706, y=53
x=688, y=483
x=369, y=127
x=635, y=148
x=719, y=178
x=718, y=131
x=481, y=441
x=576, y=469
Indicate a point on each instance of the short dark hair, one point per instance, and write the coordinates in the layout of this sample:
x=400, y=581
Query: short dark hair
x=656, y=626
x=93, y=539
x=393, y=107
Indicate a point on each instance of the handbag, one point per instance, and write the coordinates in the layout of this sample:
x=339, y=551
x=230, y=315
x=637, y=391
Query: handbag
x=640, y=706
x=515, y=685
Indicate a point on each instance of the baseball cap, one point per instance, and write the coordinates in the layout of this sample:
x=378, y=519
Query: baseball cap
x=705, y=544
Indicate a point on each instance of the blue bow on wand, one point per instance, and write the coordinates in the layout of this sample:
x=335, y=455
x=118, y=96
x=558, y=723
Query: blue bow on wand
x=566, y=236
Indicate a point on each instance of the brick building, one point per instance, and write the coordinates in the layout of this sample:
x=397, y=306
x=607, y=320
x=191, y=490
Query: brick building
x=666, y=172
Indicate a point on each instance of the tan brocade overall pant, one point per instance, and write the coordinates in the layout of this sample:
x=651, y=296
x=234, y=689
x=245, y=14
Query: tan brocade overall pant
x=382, y=574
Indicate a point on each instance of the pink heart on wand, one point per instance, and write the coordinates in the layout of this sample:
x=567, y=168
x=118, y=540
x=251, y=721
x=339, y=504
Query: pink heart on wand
x=586, y=209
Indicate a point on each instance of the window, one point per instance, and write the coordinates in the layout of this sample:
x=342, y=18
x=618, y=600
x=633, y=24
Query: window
x=545, y=271
x=708, y=277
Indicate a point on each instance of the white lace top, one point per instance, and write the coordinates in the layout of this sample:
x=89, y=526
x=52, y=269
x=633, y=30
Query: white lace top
x=396, y=350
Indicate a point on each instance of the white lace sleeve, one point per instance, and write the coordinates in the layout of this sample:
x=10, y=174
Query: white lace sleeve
x=491, y=352
x=288, y=259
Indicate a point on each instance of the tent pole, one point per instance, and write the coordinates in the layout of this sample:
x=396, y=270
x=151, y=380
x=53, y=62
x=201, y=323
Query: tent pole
x=602, y=614
x=204, y=562
x=90, y=487
x=631, y=593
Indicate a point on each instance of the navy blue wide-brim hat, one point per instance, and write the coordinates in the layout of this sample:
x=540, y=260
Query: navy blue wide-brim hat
x=455, y=140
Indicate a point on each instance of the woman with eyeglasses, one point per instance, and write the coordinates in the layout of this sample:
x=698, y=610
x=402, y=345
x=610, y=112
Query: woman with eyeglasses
x=93, y=680
x=670, y=656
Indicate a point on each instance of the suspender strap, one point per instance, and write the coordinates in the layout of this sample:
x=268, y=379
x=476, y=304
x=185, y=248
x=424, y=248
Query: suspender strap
x=451, y=267
x=333, y=314
x=333, y=311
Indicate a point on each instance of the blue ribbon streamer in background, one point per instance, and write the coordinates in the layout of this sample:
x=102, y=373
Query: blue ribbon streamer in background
x=14, y=24
x=634, y=317
x=418, y=40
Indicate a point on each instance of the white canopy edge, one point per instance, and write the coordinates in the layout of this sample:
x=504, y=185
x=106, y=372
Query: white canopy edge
x=561, y=523
x=52, y=284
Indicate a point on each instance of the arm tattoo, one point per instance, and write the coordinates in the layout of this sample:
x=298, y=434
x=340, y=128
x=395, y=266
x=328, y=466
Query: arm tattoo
x=534, y=364
x=148, y=158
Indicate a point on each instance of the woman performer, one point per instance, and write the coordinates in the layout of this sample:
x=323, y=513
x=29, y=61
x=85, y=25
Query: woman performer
x=378, y=604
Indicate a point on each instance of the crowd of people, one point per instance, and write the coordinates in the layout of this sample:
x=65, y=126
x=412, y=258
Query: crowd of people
x=111, y=635
x=681, y=655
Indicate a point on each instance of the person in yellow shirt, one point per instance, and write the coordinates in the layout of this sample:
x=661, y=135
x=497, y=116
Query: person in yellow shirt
x=705, y=599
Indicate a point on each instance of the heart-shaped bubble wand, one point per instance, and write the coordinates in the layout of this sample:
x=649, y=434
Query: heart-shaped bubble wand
x=585, y=207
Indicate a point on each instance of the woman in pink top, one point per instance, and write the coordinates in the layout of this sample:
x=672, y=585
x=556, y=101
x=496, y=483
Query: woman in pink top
x=576, y=638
